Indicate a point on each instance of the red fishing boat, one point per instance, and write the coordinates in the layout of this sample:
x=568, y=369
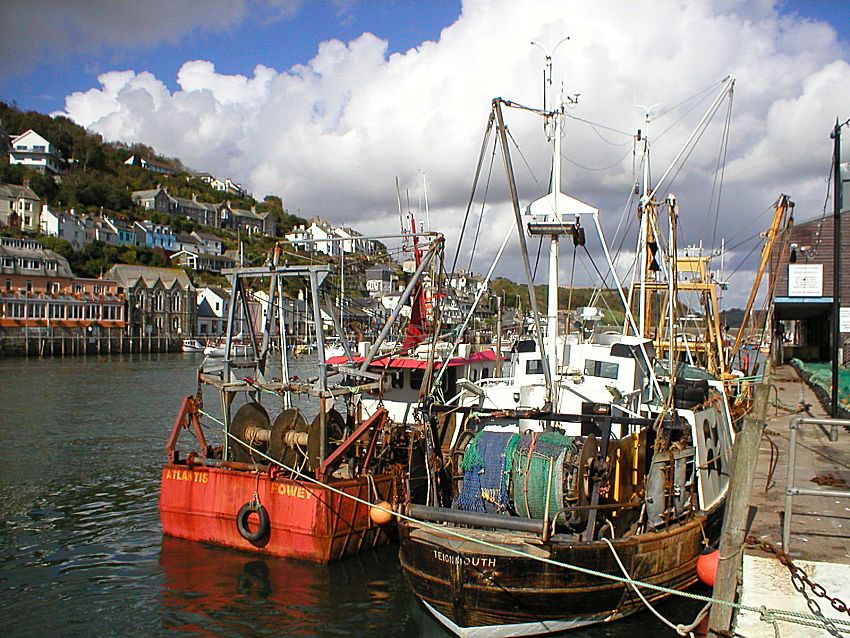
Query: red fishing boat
x=274, y=483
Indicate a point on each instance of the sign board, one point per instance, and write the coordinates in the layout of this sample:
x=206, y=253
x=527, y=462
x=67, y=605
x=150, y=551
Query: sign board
x=805, y=280
x=844, y=320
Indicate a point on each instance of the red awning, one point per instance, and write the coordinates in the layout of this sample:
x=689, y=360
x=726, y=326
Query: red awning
x=415, y=363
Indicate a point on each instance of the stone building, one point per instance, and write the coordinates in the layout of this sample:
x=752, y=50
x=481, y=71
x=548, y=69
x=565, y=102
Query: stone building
x=161, y=302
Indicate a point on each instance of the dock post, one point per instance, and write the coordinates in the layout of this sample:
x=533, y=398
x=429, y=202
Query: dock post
x=744, y=459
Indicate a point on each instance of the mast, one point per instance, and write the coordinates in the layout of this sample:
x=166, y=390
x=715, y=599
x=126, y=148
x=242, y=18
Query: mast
x=552, y=121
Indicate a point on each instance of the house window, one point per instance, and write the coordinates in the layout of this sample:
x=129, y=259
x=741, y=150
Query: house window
x=37, y=311
x=175, y=302
x=29, y=285
x=15, y=310
x=91, y=311
x=8, y=284
x=98, y=289
x=56, y=310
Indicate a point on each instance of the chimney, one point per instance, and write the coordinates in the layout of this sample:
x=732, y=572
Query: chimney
x=26, y=183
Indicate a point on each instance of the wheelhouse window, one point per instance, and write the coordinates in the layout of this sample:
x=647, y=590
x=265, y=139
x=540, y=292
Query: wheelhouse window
x=534, y=366
x=603, y=369
x=416, y=377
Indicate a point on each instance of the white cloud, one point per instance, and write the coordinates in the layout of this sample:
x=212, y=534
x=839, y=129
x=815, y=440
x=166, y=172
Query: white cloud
x=332, y=135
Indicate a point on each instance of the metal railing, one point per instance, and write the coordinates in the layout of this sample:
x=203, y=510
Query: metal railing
x=792, y=490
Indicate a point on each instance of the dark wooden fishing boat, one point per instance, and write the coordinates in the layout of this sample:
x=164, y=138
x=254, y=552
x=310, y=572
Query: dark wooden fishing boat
x=568, y=480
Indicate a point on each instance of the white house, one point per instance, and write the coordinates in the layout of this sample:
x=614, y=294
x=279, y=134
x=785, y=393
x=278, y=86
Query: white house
x=65, y=225
x=33, y=151
x=213, y=305
x=298, y=237
x=353, y=241
x=211, y=243
x=321, y=237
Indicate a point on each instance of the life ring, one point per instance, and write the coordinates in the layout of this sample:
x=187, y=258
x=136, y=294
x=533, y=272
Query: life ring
x=262, y=522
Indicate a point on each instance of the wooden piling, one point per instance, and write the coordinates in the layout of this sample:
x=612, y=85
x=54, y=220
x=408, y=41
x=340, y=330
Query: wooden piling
x=743, y=467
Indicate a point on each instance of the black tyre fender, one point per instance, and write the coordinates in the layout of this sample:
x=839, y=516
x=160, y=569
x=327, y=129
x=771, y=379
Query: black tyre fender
x=263, y=524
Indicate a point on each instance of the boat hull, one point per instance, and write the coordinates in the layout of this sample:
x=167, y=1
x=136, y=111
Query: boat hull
x=487, y=592
x=306, y=521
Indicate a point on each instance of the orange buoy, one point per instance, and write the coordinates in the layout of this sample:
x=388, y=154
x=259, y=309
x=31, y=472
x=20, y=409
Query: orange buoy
x=381, y=513
x=707, y=566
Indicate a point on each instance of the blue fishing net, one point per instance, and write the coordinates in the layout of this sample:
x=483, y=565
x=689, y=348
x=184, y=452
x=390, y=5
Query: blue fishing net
x=486, y=466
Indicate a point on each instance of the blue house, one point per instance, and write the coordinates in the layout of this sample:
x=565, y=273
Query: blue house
x=155, y=235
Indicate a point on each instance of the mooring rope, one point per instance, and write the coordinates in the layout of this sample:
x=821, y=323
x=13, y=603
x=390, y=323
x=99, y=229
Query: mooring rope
x=800, y=618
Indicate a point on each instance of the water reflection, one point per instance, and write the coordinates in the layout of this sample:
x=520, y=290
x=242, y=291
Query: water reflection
x=207, y=590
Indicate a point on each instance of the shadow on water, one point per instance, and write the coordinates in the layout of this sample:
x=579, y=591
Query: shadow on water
x=81, y=549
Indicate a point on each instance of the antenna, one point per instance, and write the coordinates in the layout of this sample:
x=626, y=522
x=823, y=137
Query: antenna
x=547, y=71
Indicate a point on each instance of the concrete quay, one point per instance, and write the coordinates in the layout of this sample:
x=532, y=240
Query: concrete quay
x=820, y=525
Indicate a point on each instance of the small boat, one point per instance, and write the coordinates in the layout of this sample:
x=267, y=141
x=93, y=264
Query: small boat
x=239, y=348
x=275, y=481
x=191, y=345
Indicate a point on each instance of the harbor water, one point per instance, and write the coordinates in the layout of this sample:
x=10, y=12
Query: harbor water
x=82, y=553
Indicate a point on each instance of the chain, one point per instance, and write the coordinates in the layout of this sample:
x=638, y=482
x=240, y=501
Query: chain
x=803, y=584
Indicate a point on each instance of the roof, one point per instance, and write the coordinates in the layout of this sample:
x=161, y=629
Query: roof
x=187, y=239
x=14, y=248
x=206, y=236
x=415, y=363
x=144, y=194
x=128, y=275
x=15, y=191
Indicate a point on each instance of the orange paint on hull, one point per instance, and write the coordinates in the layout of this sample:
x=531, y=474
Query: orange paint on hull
x=307, y=521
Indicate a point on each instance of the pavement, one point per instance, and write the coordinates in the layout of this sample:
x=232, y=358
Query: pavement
x=820, y=526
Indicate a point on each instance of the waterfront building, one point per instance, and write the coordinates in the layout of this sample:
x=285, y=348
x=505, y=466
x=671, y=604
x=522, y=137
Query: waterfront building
x=213, y=305
x=161, y=302
x=801, y=273
x=33, y=151
x=39, y=291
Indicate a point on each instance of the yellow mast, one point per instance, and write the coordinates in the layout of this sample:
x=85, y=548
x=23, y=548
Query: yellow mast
x=783, y=204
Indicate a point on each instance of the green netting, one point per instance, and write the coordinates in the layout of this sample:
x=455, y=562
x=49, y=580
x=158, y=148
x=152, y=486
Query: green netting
x=532, y=463
x=819, y=375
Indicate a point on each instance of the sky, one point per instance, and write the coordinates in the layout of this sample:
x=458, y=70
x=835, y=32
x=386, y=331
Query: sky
x=327, y=102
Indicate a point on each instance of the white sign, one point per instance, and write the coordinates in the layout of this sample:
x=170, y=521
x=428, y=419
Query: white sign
x=844, y=320
x=805, y=280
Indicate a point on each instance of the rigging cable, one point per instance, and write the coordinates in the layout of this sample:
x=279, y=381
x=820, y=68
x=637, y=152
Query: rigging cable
x=724, y=149
x=483, y=202
x=484, y=144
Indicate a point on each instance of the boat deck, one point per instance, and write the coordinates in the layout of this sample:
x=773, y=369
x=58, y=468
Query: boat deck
x=820, y=531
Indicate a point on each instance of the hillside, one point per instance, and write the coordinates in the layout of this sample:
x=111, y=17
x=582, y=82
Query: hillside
x=98, y=179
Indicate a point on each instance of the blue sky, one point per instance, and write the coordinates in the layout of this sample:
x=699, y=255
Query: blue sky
x=263, y=36
x=294, y=98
